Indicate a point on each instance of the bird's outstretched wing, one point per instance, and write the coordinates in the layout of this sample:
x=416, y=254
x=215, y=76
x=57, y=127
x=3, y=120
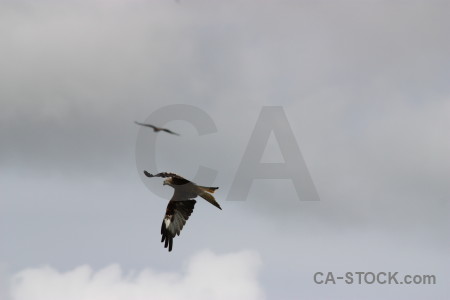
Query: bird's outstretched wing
x=177, y=213
x=177, y=178
x=169, y=131
x=147, y=125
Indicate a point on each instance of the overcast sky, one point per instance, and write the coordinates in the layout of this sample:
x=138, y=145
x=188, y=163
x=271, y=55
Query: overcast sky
x=363, y=85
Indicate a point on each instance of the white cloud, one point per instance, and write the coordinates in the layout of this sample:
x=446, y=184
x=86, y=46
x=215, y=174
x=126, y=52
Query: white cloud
x=206, y=276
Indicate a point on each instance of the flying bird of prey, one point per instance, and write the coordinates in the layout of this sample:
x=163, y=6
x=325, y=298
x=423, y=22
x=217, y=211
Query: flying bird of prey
x=156, y=129
x=181, y=205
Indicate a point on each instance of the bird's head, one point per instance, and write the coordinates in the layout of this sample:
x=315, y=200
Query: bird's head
x=168, y=181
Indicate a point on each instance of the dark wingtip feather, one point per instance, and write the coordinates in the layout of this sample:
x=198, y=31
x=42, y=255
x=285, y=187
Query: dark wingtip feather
x=148, y=174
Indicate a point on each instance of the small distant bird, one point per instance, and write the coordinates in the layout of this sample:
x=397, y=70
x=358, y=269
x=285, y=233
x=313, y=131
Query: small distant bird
x=181, y=205
x=155, y=128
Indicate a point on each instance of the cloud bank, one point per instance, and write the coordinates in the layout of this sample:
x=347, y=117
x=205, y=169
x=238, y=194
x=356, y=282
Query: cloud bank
x=207, y=276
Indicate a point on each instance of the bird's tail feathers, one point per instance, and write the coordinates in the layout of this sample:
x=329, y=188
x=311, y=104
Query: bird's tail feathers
x=210, y=198
x=209, y=189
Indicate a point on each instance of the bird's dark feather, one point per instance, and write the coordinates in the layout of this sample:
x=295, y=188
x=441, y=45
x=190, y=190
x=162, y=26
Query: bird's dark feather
x=177, y=179
x=178, y=213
